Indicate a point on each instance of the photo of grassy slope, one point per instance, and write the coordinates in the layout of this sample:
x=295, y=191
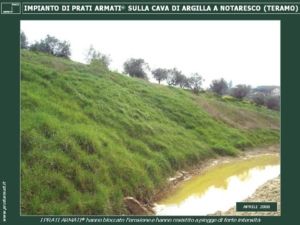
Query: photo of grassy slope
x=90, y=137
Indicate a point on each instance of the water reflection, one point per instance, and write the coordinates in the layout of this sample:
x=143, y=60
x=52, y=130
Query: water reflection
x=220, y=187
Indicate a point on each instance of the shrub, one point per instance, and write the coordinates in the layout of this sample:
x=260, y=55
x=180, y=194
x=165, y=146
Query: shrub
x=228, y=98
x=258, y=98
x=273, y=102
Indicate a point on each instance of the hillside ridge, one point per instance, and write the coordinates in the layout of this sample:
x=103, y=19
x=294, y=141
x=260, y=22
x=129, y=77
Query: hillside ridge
x=90, y=137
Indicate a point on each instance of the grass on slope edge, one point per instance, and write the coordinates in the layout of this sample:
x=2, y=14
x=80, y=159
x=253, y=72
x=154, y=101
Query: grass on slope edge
x=90, y=136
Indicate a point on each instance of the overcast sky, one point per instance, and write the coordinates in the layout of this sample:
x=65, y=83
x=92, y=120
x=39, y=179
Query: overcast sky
x=245, y=52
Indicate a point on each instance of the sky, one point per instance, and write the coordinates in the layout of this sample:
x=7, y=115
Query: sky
x=244, y=52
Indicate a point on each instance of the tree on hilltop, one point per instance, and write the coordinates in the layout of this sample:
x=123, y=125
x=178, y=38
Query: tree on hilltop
x=136, y=68
x=240, y=91
x=176, y=78
x=195, y=82
x=23, y=40
x=219, y=87
x=95, y=57
x=53, y=46
x=160, y=74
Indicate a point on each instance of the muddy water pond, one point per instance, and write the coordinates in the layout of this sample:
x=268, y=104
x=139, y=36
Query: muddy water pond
x=220, y=186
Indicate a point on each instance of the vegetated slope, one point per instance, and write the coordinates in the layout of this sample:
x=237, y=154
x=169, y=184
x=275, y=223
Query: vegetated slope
x=89, y=136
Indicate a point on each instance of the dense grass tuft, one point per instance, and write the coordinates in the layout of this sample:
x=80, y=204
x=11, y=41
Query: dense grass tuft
x=89, y=136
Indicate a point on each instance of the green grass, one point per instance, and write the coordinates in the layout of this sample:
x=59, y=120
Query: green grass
x=89, y=136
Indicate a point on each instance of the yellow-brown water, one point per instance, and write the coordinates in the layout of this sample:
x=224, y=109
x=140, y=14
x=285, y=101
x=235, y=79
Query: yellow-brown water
x=220, y=187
